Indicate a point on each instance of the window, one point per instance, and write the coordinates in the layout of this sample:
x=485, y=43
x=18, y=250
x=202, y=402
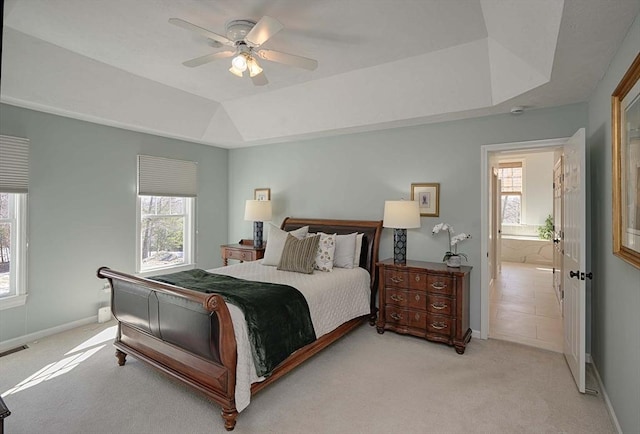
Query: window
x=165, y=230
x=14, y=183
x=166, y=218
x=12, y=245
x=510, y=175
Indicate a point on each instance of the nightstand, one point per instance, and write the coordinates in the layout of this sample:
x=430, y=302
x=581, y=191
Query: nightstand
x=242, y=252
x=425, y=299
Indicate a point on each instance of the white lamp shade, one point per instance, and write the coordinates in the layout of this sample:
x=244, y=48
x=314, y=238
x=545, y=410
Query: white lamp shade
x=401, y=214
x=257, y=210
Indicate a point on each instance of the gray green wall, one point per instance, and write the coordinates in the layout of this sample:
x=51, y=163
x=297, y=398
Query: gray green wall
x=82, y=212
x=615, y=289
x=350, y=176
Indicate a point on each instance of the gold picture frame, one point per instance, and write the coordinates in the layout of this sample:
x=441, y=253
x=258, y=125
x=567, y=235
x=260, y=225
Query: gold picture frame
x=262, y=194
x=625, y=141
x=428, y=197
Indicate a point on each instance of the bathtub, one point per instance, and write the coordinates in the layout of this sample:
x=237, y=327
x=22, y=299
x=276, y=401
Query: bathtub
x=530, y=250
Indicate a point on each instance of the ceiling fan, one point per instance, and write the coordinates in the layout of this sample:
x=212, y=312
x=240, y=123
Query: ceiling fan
x=246, y=37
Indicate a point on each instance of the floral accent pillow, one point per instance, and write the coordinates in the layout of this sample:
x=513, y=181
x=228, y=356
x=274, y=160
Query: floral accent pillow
x=326, y=251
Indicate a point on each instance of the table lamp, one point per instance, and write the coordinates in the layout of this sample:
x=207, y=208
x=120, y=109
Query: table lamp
x=401, y=215
x=257, y=211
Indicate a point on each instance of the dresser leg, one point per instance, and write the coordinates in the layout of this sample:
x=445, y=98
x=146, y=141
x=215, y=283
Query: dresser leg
x=380, y=330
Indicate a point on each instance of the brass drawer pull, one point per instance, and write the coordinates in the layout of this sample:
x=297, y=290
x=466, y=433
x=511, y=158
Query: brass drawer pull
x=396, y=298
x=438, y=325
x=439, y=285
x=395, y=279
x=396, y=316
x=417, y=317
x=417, y=278
x=440, y=305
x=417, y=297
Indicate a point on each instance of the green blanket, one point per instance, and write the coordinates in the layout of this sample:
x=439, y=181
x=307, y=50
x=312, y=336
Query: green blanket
x=278, y=318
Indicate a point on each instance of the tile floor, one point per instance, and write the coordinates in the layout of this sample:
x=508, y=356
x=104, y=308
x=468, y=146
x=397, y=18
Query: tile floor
x=524, y=308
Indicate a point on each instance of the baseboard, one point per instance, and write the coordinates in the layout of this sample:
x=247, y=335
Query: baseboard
x=23, y=340
x=476, y=334
x=612, y=413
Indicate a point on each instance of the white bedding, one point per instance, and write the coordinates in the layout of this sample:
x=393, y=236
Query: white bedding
x=333, y=297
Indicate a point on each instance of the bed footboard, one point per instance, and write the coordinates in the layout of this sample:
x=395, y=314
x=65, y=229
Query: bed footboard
x=184, y=333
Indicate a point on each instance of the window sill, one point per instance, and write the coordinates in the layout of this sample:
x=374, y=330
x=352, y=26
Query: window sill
x=157, y=271
x=13, y=301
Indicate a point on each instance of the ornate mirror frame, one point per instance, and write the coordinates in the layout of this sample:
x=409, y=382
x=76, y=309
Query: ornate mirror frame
x=625, y=140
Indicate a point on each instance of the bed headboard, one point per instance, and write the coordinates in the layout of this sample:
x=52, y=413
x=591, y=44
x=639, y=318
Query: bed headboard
x=370, y=242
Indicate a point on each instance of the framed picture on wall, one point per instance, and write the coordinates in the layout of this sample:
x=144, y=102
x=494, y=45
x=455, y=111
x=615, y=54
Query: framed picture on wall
x=428, y=197
x=262, y=194
x=625, y=141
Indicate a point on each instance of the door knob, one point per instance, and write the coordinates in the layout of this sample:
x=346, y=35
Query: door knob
x=575, y=274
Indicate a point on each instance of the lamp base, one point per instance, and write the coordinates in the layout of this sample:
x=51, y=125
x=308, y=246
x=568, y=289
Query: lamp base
x=257, y=235
x=400, y=246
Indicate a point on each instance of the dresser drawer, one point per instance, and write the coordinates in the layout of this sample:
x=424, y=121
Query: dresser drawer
x=397, y=297
x=396, y=278
x=240, y=255
x=418, y=280
x=439, y=324
x=439, y=305
x=440, y=284
x=397, y=316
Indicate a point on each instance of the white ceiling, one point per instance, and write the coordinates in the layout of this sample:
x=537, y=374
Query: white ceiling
x=382, y=63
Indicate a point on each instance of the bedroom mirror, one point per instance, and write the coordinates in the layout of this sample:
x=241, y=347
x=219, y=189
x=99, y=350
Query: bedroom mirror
x=625, y=130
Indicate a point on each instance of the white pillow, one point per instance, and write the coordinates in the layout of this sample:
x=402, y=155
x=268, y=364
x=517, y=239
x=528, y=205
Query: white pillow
x=275, y=243
x=326, y=251
x=345, y=250
x=356, y=258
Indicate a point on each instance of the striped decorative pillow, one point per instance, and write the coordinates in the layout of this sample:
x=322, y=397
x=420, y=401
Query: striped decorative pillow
x=299, y=255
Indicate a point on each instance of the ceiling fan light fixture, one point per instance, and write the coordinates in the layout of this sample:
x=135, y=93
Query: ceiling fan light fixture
x=254, y=68
x=240, y=62
x=236, y=71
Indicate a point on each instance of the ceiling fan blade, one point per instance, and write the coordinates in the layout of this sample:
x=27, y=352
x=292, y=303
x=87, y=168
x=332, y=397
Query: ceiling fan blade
x=263, y=30
x=260, y=79
x=204, y=32
x=208, y=58
x=288, y=59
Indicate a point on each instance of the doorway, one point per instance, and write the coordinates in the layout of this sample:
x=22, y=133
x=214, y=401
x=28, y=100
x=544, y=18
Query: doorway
x=523, y=305
x=519, y=301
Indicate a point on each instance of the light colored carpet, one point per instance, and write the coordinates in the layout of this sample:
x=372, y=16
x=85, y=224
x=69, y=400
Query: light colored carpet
x=364, y=383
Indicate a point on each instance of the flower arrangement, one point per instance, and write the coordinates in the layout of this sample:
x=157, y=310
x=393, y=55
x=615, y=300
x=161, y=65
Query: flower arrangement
x=453, y=242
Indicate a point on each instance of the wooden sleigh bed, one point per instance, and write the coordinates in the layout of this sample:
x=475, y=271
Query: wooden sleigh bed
x=189, y=335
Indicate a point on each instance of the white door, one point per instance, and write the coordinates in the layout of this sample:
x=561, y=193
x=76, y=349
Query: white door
x=557, y=230
x=496, y=218
x=574, y=255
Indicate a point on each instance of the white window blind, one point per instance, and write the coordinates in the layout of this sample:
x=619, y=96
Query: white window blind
x=159, y=176
x=14, y=164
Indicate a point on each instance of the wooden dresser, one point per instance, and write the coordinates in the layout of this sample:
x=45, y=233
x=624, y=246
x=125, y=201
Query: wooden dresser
x=425, y=299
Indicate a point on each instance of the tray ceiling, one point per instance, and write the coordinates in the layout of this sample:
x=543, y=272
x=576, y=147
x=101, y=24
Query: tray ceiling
x=382, y=64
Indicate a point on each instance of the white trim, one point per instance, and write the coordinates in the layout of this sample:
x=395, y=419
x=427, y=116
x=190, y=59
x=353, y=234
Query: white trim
x=25, y=339
x=476, y=334
x=607, y=401
x=164, y=270
x=13, y=301
x=485, y=274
